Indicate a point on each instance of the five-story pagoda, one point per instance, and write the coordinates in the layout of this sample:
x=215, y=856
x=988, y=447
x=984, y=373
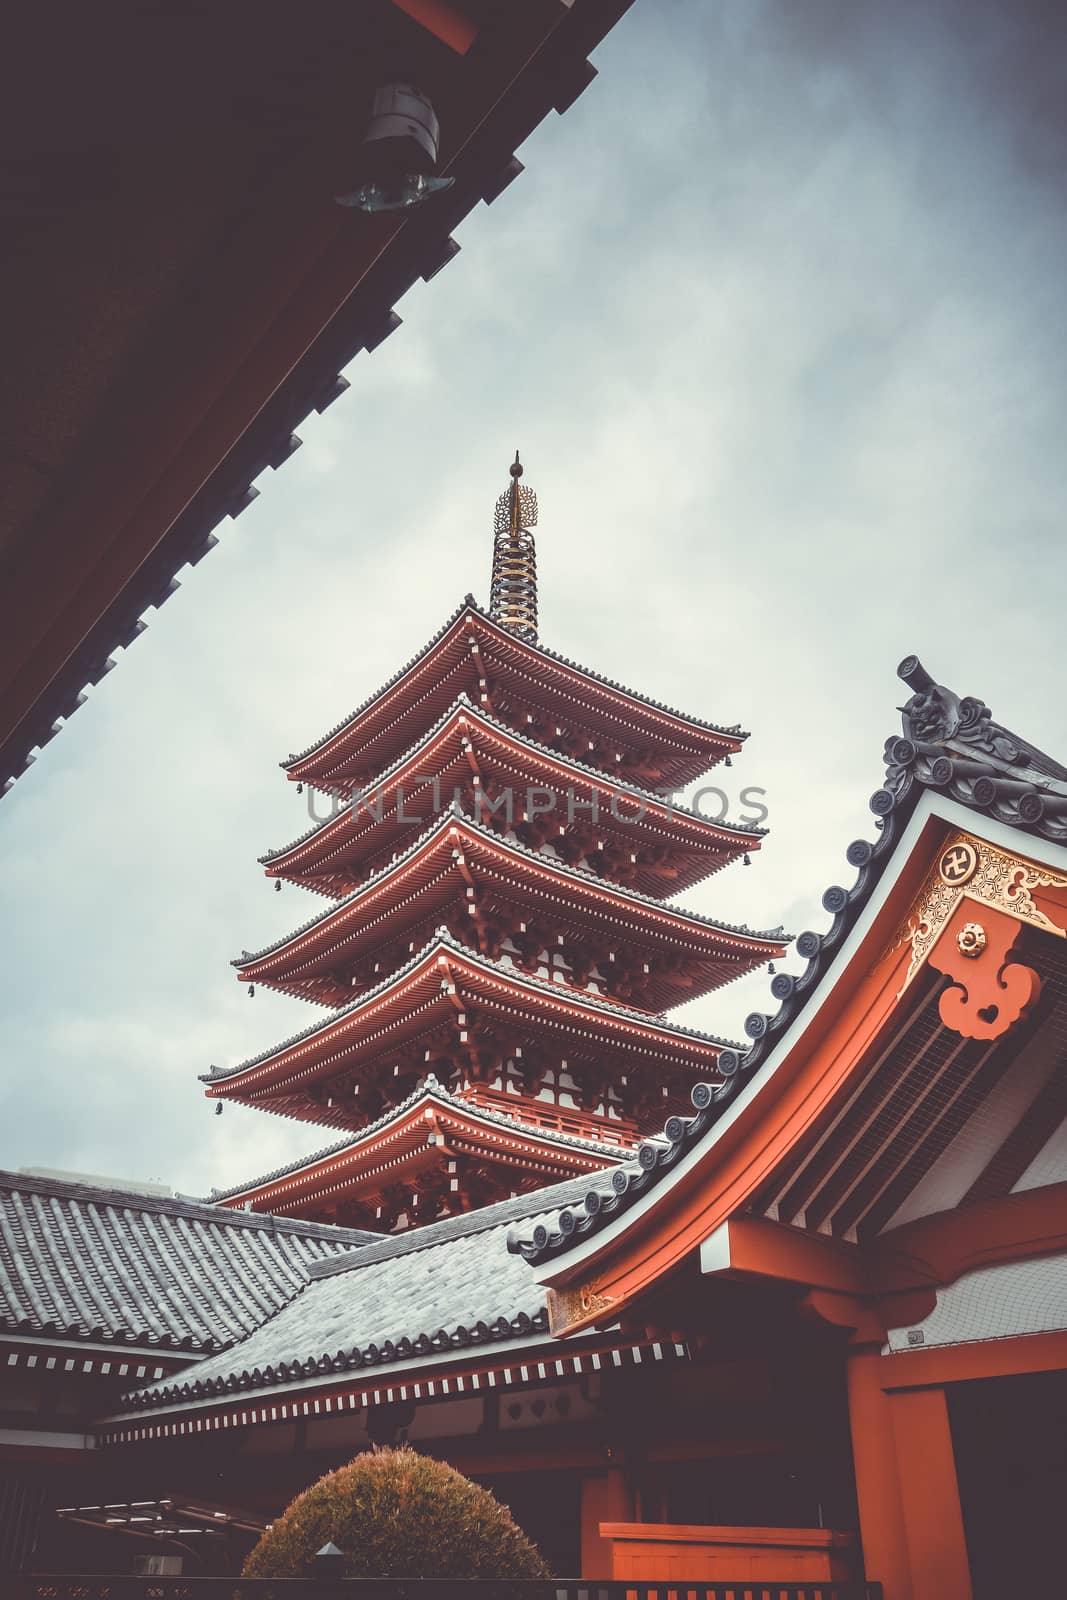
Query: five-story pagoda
x=497, y=953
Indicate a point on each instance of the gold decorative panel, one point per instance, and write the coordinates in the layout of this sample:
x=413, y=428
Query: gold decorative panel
x=971, y=868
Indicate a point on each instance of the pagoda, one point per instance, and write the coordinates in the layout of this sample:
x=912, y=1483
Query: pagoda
x=499, y=838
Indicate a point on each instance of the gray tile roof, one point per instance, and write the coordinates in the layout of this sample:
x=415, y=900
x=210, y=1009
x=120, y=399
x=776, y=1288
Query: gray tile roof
x=430, y=1089
x=81, y=1262
x=949, y=745
x=446, y=1286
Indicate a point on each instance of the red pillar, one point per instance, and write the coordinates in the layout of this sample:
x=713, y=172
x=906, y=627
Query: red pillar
x=877, y=1489
x=909, y=1504
x=606, y=1497
x=929, y=1493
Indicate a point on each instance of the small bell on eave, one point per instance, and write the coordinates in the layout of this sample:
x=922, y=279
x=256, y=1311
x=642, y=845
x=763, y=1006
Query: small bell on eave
x=300, y=788
x=218, y=1108
x=748, y=859
x=251, y=990
x=277, y=886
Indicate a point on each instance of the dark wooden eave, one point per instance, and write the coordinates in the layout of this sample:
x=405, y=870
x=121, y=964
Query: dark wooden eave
x=182, y=289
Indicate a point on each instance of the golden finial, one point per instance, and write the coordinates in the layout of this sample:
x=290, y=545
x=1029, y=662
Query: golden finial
x=513, y=591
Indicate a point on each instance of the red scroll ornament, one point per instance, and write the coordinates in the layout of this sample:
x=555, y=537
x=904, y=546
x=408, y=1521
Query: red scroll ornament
x=990, y=993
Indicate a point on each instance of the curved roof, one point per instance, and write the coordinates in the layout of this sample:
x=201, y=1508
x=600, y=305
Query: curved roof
x=949, y=746
x=463, y=708
x=579, y=876
x=443, y=943
x=470, y=608
x=429, y=1092
x=411, y=1295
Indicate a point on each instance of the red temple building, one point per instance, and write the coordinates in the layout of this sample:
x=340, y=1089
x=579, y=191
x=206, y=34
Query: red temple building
x=502, y=833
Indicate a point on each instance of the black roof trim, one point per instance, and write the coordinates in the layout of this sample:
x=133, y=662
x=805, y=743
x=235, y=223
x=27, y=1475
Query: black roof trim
x=373, y=1355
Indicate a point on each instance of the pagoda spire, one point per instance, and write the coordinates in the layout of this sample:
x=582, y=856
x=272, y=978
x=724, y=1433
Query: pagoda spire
x=513, y=591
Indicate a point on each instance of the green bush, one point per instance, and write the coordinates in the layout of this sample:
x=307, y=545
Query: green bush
x=397, y=1514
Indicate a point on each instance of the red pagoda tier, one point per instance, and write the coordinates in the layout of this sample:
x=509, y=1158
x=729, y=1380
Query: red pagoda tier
x=470, y=760
x=528, y=688
x=494, y=1033
x=435, y=1151
x=497, y=955
x=514, y=903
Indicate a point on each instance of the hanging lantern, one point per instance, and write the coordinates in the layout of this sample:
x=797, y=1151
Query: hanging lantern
x=398, y=156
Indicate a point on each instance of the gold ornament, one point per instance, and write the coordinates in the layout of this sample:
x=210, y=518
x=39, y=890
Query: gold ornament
x=568, y=1306
x=971, y=940
x=970, y=867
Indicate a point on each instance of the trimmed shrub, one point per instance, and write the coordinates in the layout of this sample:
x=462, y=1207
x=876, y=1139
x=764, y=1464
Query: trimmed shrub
x=397, y=1514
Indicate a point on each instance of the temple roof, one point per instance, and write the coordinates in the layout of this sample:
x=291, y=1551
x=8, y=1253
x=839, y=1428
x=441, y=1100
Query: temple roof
x=400, y=1298
x=950, y=746
x=79, y=1262
x=390, y=898
x=372, y=726
x=429, y=1094
x=654, y=819
x=442, y=955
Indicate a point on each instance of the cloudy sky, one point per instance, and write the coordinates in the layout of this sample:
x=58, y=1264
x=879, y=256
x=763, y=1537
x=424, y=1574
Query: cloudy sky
x=776, y=316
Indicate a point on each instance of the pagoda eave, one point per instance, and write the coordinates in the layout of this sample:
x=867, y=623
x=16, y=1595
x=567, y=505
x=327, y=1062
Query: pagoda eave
x=434, y=1149
x=490, y=890
x=474, y=652
x=643, y=838
x=450, y=1005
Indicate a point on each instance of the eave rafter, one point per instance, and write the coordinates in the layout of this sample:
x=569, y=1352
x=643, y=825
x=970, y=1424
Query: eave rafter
x=433, y=1159
x=867, y=1096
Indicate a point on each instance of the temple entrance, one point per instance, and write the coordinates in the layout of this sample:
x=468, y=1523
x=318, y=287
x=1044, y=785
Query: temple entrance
x=1010, y=1441
x=547, y=1507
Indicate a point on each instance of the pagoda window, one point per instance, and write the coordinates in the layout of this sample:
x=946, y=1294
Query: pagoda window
x=568, y=1093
